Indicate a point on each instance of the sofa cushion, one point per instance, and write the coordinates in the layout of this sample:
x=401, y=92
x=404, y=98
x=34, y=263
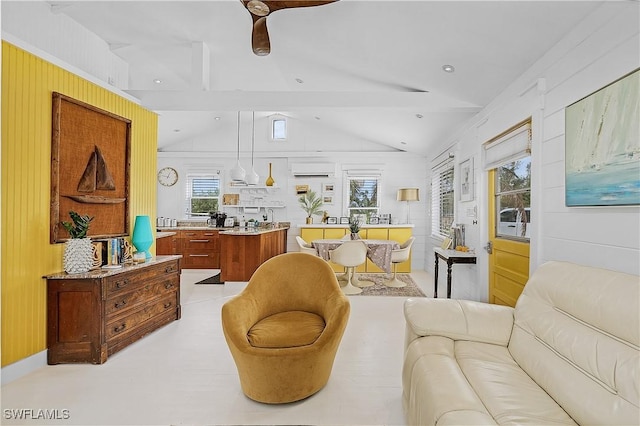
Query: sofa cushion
x=462, y=382
x=286, y=330
x=577, y=334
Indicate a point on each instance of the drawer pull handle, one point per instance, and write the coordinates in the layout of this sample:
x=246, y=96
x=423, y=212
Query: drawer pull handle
x=121, y=284
x=167, y=305
x=209, y=234
x=198, y=255
x=198, y=241
x=168, y=285
x=119, y=328
x=169, y=269
x=121, y=304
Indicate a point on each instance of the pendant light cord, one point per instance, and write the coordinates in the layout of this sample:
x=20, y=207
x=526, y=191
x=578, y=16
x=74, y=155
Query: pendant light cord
x=238, y=154
x=253, y=134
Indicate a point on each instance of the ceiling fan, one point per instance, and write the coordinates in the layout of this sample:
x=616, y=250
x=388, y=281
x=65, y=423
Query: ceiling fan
x=260, y=9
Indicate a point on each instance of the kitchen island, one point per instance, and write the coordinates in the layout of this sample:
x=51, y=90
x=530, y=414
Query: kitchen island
x=244, y=249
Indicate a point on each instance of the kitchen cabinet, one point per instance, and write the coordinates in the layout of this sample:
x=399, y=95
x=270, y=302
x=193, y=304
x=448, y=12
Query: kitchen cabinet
x=246, y=250
x=93, y=315
x=200, y=249
x=167, y=243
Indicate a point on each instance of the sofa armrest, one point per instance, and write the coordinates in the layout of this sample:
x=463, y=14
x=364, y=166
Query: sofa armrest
x=458, y=320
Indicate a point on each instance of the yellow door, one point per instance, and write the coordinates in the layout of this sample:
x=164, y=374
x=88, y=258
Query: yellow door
x=509, y=238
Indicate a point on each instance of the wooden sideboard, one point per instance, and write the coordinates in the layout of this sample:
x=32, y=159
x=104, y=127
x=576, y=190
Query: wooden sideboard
x=94, y=315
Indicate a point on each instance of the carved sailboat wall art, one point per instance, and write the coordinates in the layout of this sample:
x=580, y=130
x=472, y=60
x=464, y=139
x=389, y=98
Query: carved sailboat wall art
x=96, y=176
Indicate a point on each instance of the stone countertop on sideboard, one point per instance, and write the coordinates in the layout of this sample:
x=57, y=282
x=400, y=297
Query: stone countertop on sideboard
x=105, y=272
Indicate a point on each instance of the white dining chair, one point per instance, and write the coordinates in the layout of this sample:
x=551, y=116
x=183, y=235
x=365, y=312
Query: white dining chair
x=305, y=247
x=398, y=256
x=350, y=254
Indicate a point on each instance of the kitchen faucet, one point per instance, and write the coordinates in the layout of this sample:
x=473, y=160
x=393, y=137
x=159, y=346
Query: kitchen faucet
x=272, y=215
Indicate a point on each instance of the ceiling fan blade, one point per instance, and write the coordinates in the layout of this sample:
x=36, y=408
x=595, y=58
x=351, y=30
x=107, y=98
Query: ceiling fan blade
x=274, y=5
x=260, y=36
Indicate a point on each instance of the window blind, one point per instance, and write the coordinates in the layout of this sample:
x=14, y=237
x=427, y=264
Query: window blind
x=442, y=199
x=510, y=147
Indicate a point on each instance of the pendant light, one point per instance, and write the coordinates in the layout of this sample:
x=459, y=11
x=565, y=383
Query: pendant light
x=238, y=173
x=252, y=177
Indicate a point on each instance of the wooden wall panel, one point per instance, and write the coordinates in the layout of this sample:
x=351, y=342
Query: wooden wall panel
x=27, y=85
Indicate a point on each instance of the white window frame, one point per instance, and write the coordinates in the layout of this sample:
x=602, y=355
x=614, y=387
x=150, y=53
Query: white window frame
x=275, y=120
x=191, y=176
x=361, y=175
x=443, y=191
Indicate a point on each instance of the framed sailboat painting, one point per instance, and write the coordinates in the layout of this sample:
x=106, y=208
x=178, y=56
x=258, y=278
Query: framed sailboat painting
x=90, y=151
x=602, y=143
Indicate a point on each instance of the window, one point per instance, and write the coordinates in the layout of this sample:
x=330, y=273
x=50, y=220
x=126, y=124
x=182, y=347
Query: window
x=363, y=195
x=279, y=129
x=513, y=199
x=203, y=194
x=442, y=199
x=510, y=156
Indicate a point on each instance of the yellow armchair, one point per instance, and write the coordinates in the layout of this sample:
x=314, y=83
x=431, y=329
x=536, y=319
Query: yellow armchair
x=284, y=328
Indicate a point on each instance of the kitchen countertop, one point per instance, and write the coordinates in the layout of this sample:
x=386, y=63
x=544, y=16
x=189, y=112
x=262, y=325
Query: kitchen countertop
x=252, y=230
x=163, y=234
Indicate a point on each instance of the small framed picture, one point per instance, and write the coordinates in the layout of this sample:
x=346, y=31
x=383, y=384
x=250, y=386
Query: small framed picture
x=384, y=220
x=373, y=220
x=327, y=199
x=302, y=189
x=327, y=188
x=332, y=220
x=344, y=220
x=466, y=180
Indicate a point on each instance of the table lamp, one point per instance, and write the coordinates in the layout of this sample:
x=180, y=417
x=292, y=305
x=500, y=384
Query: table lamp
x=142, y=237
x=408, y=194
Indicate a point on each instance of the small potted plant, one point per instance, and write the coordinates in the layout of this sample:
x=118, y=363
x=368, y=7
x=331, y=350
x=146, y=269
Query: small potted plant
x=354, y=227
x=310, y=203
x=78, y=250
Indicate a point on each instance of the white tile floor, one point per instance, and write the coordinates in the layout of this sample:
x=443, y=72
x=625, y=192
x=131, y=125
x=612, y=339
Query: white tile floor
x=183, y=374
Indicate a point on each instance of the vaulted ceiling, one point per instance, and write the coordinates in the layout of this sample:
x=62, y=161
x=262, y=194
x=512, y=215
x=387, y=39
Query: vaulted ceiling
x=370, y=70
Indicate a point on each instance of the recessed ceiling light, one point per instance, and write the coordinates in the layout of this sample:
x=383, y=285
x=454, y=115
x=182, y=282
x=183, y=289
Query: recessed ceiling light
x=217, y=118
x=299, y=80
x=176, y=130
x=316, y=117
x=403, y=143
x=448, y=68
x=157, y=81
x=419, y=115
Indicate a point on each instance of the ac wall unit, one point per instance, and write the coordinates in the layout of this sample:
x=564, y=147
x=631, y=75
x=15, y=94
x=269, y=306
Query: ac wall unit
x=313, y=170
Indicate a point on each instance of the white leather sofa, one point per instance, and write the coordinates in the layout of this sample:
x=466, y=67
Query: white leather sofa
x=568, y=353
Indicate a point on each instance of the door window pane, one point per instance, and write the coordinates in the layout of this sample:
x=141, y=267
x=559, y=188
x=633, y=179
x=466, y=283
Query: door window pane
x=513, y=199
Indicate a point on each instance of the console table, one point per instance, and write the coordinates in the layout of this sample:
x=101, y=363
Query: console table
x=451, y=257
x=91, y=316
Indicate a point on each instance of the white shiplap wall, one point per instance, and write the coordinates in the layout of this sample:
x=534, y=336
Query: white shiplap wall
x=603, y=48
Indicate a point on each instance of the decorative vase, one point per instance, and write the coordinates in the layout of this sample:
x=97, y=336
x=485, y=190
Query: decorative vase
x=142, y=236
x=270, y=181
x=355, y=236
x=78, y=255
x=309, y=220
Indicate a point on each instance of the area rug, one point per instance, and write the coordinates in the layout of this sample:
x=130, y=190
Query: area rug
x=212, y=280
x=379, y=289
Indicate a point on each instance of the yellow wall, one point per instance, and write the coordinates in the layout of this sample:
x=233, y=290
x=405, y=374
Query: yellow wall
x=26, y=255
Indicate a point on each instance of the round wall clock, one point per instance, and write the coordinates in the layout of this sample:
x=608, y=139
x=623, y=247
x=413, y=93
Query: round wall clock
x=168, y=176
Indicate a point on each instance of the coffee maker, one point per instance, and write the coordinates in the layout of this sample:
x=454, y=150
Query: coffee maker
x=217, y=219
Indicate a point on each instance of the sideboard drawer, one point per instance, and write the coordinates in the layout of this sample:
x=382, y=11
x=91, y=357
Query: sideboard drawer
x=125, y=301
x=128, y=281
x=121, y=327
